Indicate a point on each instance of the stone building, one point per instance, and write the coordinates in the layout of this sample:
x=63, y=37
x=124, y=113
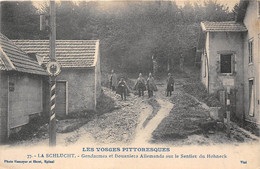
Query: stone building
x=22, y=89
x=230, y=59
x=79, y=83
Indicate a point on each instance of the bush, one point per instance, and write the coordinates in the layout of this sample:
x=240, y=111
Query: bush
x=105, y=104
x=197, y=89
x=30, y=130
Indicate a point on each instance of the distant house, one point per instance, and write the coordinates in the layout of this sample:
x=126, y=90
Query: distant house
x=79, y=83
x=230, y=54
x=22, y=89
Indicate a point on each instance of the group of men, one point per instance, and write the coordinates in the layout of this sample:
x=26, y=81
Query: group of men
x=120, y=87
x=141, y=85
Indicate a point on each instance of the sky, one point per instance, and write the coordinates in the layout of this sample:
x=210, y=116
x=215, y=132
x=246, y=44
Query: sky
x=229, y=3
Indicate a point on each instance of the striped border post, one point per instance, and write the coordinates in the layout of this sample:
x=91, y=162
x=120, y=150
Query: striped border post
x=53, y=73
x=52, y=124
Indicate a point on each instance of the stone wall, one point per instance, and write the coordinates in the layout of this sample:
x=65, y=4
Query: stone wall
x=3, y=105
x=227, y=43
x=81, y=88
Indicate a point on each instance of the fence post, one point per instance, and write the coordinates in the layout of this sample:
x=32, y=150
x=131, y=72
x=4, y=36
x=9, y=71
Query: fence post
x=228, y=111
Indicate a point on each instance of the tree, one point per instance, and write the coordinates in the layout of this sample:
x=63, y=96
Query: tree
x=19, y=20
x=217, y=12
x=130, y=33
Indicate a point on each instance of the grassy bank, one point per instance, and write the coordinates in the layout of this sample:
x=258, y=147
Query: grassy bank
x=184, y=119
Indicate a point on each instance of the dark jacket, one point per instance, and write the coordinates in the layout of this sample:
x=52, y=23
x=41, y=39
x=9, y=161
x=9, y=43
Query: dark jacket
x=170, y=83
x=121, y=87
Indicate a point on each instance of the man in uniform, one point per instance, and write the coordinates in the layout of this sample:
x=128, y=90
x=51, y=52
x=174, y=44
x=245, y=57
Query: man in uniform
x=113, y=80
x=170, y=84
x=140, y=85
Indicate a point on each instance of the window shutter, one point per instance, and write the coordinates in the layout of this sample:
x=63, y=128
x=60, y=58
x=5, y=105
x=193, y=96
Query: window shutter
x=233, y=60
x=218, y=64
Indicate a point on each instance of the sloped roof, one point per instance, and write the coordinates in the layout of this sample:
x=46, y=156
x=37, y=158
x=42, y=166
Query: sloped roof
x=13, y=58
x=2, y=66
x=229, y=26
x=69, y=53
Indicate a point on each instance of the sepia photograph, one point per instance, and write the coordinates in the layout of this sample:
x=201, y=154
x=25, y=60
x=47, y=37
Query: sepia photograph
x=112, y=84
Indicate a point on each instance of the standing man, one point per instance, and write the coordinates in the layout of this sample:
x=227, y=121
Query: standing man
x=140, y=85
x=122, y=88
x=170, y=84
x=151, y=86
x=113, y=80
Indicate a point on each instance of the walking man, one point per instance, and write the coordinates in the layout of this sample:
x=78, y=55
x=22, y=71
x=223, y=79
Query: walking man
x=122, y=88
x=113, y=80
x=170, y=84
x=140, y=85
x=151, y=86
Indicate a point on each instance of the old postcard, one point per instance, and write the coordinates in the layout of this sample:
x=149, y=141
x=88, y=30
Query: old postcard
x=130, y=84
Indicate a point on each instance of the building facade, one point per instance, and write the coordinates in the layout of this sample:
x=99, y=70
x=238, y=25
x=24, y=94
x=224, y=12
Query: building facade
x=79, y=83
x=250, y=16
x=230, y=60
x=22, y=93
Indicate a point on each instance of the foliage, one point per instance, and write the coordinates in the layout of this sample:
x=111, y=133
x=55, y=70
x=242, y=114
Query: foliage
x=130, y=33
x=198, y=90
x=19, y=20
x=30, y=130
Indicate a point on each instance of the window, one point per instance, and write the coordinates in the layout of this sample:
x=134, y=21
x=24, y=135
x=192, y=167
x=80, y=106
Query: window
x=225, y=63
x=251, y=98
x=11, y=86
x=250, y=51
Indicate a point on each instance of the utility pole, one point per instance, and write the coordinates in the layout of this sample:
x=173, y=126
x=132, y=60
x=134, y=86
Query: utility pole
x=48, y=23
x=52, y=124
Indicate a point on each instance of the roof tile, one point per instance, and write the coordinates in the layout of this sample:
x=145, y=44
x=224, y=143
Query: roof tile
x=13, y=58
x=2, y=66
x=69, y=53
x=229, y=26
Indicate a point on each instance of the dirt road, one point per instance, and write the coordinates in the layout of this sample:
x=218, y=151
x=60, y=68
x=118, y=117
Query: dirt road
x=158, y=120
x=144, y=134
x=171, y=120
